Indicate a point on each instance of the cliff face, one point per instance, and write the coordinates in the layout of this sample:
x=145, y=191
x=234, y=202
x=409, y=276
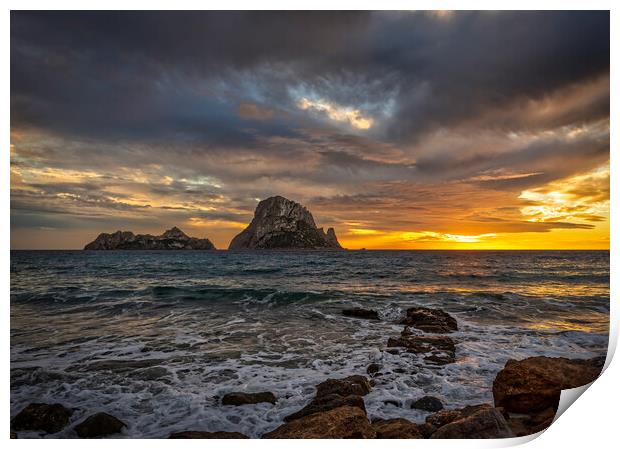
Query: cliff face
x=171, y=239
x=280, y=223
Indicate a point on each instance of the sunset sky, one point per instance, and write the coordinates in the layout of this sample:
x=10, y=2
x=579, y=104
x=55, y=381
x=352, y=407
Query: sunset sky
x=411, y=130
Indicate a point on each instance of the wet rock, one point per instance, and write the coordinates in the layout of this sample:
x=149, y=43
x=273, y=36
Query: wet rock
x=335, y=393
x=352, y=385
x=444, y=417
x=528, y=424
x=426, y=430
x=373, y=369
x=430, y=320
x=361, y=313
x=396, y=428
x=535, y=383
x=341, y=422
x=193, y=434
x=428, y=403
x=485, y=423
x=439, y=349
x=421, y=344
x=50, y=418
x=280, y=223
x=248, y=398
x=99, y=425
x=327, y=402
x=440, y=359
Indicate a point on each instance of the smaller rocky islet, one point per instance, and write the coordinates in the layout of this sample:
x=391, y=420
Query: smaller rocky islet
x=525, y=392
x=172, y=239
x=278, y=224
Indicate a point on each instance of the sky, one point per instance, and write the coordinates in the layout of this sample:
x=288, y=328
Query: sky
x=402, y=130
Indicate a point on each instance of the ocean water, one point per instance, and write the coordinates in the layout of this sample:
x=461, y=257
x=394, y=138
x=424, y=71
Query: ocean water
x=157, y=338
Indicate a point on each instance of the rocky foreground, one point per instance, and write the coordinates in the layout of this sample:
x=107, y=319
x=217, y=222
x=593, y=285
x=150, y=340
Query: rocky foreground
x=280, y=223
x=526, y=396
x=172, y=239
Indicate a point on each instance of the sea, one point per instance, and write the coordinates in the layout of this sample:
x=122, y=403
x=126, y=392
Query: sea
x=156, y=338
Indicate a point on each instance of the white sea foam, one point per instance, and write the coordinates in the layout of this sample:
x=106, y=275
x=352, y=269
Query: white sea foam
x=172, y=352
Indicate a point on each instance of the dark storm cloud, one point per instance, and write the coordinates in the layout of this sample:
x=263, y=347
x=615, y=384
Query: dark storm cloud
x=168, y=74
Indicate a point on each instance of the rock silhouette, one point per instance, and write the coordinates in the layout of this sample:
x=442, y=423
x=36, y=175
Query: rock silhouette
x=280, y=223
x=170, y=240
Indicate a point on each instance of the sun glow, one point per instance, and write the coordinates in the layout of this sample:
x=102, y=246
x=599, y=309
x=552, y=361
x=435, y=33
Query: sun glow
x=584, y=197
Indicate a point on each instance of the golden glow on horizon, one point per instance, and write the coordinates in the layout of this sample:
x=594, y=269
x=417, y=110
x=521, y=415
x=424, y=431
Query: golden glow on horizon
x=581, y=197
x=337, y=113
x=196, y=222
x=582, y=200
x=579, y=204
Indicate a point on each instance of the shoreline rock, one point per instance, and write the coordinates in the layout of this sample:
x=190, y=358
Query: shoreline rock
x=535, y=383
x=240, y=398
x=428, y=403
x=280, y=223
x=335, y=393
x=441, y=349
x=98, y=425
x=327, y=402
x=361, y=313
x=352, y=385
x=485, y=423
x=531, y=388
x=341, y=422
x=50, y=418
x=396, y=428
x=440, y=419
x=430, y=320
x=373, y=369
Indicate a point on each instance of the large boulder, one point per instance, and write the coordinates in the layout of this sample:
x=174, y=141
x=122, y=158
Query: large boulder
x=485, y=423
x=535, y=383
x=50, y=418
x=428, y=403
x=193, y=434
x=373, y=369
x=444, y=417
x=527, y=424
x=280, y=223
x=335, y=393
x=430, y=320
x=341, y=422
x=171, y=239
x=328, y=402
x=438, y=349
x=396, y=428
x=352, y=385
x=239, y=398
x=99, y=425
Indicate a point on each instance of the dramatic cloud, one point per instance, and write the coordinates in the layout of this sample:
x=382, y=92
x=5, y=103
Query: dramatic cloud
x=401, y=129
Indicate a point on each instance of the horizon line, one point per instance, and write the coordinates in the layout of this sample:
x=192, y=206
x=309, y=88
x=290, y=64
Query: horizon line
x=309, y=249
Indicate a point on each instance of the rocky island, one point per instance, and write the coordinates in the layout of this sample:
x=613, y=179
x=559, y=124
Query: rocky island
x=170, y=240
x=280, y=223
